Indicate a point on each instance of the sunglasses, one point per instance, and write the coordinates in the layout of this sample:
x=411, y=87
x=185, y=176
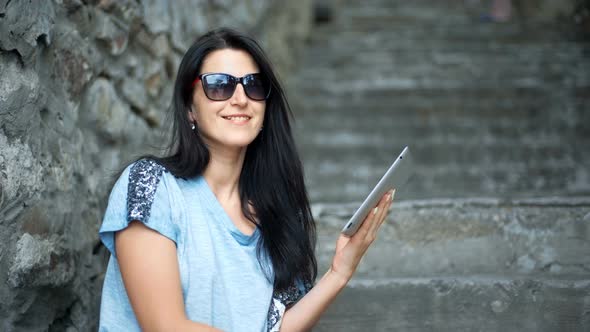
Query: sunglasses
x=219, y=86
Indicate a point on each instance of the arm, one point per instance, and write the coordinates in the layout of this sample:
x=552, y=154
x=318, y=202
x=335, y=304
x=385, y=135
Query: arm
x=150, y=272
x=349, y=251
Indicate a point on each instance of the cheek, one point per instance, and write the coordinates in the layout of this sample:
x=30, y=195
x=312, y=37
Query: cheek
x=201, y=105
x=204, y=111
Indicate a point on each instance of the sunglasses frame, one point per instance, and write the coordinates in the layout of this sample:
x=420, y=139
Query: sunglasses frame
x=237, y=80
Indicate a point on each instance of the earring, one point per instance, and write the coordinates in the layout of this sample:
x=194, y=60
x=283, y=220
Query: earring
x=193, y=127
x=261, y=128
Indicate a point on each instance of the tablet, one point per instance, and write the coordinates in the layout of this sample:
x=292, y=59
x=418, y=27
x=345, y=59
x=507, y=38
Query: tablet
x=395, y=177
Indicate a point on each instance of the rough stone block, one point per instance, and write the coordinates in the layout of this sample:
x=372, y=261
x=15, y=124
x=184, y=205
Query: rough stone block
x=113, y=32
x=40, y=262
x=21, y=177
x=20, y=94
x=24, y=26
x=105, y=110
x=460, y=304
x=543, y=236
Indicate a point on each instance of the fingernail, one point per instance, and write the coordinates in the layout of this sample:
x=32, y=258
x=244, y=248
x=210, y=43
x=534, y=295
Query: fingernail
x=392, y=194
x=375, y=210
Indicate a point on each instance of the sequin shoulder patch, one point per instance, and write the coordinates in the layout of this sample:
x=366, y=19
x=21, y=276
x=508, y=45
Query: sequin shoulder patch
x=281, y=301
x=144, y=177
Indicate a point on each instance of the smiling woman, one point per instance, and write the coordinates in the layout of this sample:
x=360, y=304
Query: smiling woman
x=219, y=234
x=228, y=108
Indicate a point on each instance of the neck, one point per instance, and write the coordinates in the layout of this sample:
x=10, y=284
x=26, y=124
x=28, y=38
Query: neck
x=223, y=171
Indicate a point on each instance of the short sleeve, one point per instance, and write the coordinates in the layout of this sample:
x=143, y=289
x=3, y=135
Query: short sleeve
x=282, y=300
x=139, y=194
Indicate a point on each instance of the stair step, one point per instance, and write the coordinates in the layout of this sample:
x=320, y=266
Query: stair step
x=456, y=28
x=544, y=237
x=352, y=42
x=411, y=89
x=428, y=103
x=352, y=150
x=474, y=71
x=349, y=176
x=381, y=84
x=371, y=128
x=486, y=303
x=387, y=50
x=451, y=182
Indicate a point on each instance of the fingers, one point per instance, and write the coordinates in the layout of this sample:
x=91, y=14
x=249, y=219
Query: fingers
x=369, y=221
x=377, y=213
x=387, y=209
x=380, y=216
x=389, y=205
x=350, y=250
x=370, y=226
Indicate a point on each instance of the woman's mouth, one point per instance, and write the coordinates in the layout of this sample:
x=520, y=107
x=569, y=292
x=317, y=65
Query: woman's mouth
x=237, y=119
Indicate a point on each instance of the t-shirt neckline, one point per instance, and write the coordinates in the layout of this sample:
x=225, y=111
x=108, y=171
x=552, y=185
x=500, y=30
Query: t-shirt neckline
x=217, y=209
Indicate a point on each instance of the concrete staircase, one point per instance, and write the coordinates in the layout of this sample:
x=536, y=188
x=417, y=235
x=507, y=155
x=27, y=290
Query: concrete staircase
x=467, y=265
x=488, y=109
x=493, y=231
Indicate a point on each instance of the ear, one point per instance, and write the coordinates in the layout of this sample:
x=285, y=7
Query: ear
x=191, y=115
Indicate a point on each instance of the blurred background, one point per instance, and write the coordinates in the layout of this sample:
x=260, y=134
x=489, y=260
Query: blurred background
x=492, y=96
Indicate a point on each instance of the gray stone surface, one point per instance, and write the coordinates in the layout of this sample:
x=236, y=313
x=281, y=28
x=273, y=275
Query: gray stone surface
x=84, y=86
x=492, y=232
x=488, y=109
x=460, y=304
x=466, y=265
x=543, y=237
x=40, y=262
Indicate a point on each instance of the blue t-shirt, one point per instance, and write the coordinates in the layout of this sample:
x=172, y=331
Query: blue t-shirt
x=223, y=284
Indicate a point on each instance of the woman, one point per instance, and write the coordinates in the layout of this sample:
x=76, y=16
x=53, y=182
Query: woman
x=219, y=234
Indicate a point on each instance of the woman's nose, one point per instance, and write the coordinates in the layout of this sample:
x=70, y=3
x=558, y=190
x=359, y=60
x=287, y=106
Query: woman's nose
x=239, y=97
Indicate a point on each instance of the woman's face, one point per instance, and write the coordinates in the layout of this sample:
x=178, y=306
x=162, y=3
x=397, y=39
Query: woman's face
x=234, y=122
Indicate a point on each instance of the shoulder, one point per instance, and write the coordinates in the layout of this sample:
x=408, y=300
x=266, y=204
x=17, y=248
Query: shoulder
x=144, y=174
x=145, y=170
x=144, y=181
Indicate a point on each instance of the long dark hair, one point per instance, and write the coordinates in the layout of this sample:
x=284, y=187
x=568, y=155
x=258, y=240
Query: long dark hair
x=272, y=175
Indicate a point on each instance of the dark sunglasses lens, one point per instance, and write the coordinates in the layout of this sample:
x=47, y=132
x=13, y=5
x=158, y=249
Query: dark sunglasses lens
x=256, y=87
x=219, y=86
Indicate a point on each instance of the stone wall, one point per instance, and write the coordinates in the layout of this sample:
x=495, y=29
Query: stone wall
x=84, y=85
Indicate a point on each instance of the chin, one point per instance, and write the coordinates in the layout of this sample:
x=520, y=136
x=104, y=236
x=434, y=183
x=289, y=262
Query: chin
x=241, y=141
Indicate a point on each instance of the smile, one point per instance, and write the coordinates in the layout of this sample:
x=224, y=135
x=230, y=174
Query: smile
x=237, y=119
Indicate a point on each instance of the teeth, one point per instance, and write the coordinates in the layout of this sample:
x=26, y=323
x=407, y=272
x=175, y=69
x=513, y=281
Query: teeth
x=239, y=118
